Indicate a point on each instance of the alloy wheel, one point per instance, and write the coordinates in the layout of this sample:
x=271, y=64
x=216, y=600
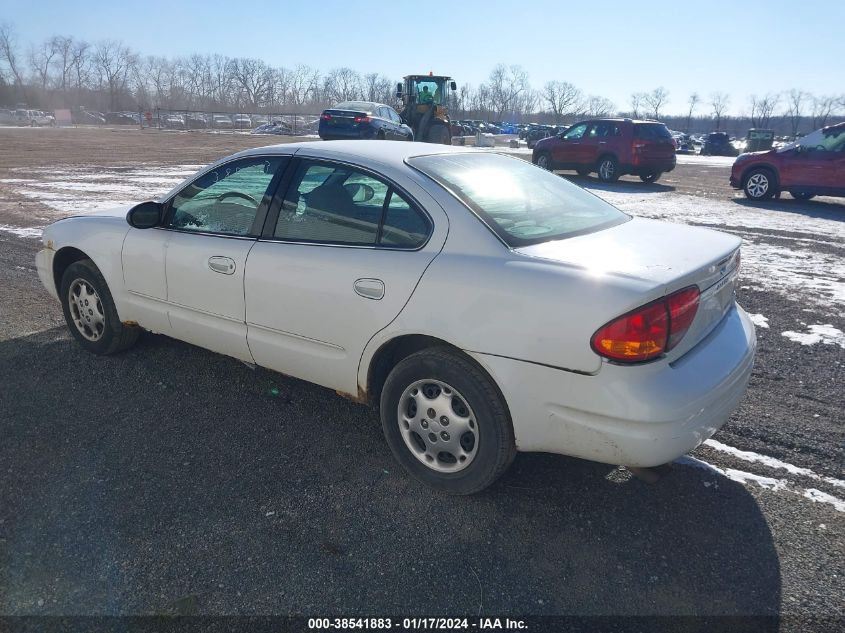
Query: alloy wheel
x=757, y=185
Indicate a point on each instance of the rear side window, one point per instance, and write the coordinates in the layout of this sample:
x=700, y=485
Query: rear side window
x=652, y=131
x=521, y=203
x=337, y=204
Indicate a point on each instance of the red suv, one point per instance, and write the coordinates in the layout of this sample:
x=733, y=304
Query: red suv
x=611, y=147
x=811, y=166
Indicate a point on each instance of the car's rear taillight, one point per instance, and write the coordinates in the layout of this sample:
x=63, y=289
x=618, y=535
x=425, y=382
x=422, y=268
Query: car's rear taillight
x=361, y=119
x=326, y=116
x=648, y=331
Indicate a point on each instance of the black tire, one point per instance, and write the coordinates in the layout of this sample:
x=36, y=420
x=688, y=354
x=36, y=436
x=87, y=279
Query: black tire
x=496, y=447
x=608, y=169
x=583, y=172
x=802, y=195
x=115, y=336
x=380, y=136
x=544, y=161
x=439, y=133
x=759, y=184
x=651, y=176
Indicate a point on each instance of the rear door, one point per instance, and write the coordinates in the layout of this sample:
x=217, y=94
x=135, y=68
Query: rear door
x=596, y=142
x=213, y=223
x=338, y=260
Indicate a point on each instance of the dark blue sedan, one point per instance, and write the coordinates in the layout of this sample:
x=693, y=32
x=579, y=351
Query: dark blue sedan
x=363, y=119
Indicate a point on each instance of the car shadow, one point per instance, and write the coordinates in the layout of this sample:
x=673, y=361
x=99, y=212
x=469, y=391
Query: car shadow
x=824, y=208
x=172, y=480
x=624, y=184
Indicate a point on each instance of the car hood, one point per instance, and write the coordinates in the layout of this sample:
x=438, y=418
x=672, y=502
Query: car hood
x=661, y=254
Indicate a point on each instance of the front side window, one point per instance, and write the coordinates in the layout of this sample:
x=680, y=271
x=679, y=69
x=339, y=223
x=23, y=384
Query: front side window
x=226, y=199
x=830, y=139
x=337, y=204
x=521, y=203
x=575, y=132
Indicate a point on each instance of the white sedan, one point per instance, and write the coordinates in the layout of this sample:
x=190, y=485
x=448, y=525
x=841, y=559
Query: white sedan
x=484, y=305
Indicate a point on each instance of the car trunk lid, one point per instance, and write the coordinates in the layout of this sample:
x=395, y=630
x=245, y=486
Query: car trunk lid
x=663, y=256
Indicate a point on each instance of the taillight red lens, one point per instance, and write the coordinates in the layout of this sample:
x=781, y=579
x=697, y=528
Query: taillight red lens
x=326, y=116
x=683, y=306
x=648, y=331
x=361, y=119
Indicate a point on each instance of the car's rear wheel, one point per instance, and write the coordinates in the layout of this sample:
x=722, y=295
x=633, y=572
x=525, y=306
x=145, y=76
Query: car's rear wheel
x=802, y=195
x=759, y=184
x=90, y=312
x=651, y=176
x=608, y=169
x=544, y=161
x=380, y=135
x=446, y=422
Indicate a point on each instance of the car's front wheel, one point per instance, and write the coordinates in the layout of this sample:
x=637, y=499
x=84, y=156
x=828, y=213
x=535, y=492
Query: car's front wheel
x=446, y=422
x=544, y=161
x=759, y=184
x=90, y=312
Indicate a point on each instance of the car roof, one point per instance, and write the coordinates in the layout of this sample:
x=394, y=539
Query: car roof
x=388, y=153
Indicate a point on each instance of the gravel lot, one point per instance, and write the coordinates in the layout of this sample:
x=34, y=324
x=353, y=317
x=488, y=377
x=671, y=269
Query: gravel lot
x=171, y=480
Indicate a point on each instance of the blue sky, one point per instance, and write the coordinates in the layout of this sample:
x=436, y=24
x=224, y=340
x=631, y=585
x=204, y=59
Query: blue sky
x=610, y=49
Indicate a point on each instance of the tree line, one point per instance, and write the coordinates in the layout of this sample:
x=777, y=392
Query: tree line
x=63, y=71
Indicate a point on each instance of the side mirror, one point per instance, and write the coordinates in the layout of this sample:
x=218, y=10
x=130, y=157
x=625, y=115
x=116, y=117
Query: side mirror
x=453, y=86
x=145, y=215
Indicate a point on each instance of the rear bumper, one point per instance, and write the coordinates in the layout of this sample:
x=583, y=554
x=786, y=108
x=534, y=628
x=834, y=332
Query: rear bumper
x=636, y=416
x=651, y=165
x=329, y=134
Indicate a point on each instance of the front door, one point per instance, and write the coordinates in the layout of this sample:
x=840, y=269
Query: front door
x=213, y=224
x=568, y=150
x=337, y=265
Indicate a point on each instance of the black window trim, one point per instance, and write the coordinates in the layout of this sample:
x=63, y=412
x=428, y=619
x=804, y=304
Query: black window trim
x=260, y=213
x=267, y=234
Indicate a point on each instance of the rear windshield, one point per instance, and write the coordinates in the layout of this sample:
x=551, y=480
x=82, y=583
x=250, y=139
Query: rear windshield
x=521, y=203
x=651, y=131
x=355, y=105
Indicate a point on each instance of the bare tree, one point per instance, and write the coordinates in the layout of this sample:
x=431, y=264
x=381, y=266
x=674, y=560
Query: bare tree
x=342, y=84
x=598, y=106
x=762, y=109
x=253, y=78
x=113, y=61
x=795, y=102
x=822, y=110
x=656, y=99
x=692, y=102
x=637, y=101
x=505, y=87
x=9, y=53
x=562, y=98
x=719, y=101
x=378, y=88
x=40, y=58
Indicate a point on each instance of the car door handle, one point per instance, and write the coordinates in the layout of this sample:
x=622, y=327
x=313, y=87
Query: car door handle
x=369, y=288
x=223, y=265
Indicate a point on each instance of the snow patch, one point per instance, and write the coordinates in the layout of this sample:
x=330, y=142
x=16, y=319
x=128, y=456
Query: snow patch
x=32, y=233
x=822, y=497
x=759, y=320
x=825, y=334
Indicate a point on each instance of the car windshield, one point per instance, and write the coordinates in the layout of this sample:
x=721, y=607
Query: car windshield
x=829, y=139
x=521, y=203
